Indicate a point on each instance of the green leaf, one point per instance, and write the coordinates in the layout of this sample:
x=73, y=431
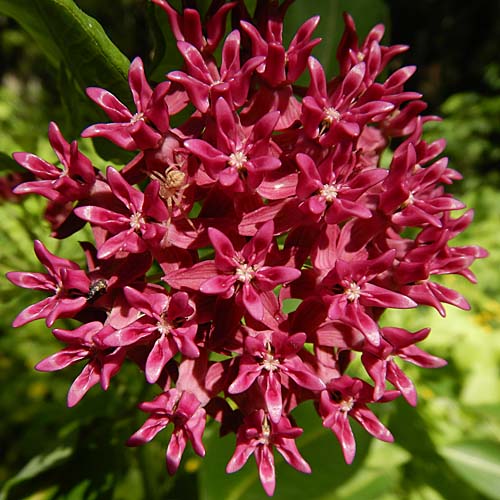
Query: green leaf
x=35, y=467
x=427, y=466
x=70, y=37
x=478, y=463
x=317, y=445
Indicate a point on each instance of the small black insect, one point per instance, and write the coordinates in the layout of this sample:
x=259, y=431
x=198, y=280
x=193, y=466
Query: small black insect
x=97, y=289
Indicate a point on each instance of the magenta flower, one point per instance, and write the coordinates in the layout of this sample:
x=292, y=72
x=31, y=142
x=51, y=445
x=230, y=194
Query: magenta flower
x=243, y=273
x=280, y=67
x=346, y=397
x=187, y=25
x=332, y=189
x=82, y=344
x=73, y=182
x=65, y=281
x=350, y=292
x=184, y=411
x=203, y=81
x=413, y=194
x=141, y=130
x=259, y=436
x=334, y=115
x=167, y=322
x=130, y=228
x=262, y=190
x=269, y=359
x=380, y=365
x=242, y=155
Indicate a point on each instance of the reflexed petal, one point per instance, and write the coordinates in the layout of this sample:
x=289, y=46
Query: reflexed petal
x=371, y=423
x=252, y=301
x=193, y=277
x=224, y=250
x=61, y=359
x=151, y=427
x=256, y=250
x=240, y=457
x=218, y=285
x=288, y=450
x=265, y=462
x=376, y=296
x=117, y=111
x=398, y=379
x=247, y=374
x=298, y=371
x=175, y=450
x=141, y=91
x=102, y=217
x=269, y=278
x=36, y=311
x=184, y=338
x=126, y=241
x=35, y=281
x=271, y=385
x=83, y=383
x=158, y=357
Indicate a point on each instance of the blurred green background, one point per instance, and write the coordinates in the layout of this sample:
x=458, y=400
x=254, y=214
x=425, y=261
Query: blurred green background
x=446, y=448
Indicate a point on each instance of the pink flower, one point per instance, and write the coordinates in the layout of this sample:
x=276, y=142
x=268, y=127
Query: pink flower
x=243, y=273
x=167, y=323
x=73, y=182
x=346, y=397
x=332, y=115
x=203, y=81
x=184, y=411
x=242, y=155
x=380, y=365
x=269, y=359
x=130, y=228
x=82, y=344
x=187, y=25
x=67, y=283
x=141, y=130
x=259, y=436
x=332, y=189
x=350, y=293
x=260, y=191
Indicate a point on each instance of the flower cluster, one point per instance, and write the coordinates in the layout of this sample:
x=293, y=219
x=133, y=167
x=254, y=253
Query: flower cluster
x=263, y=191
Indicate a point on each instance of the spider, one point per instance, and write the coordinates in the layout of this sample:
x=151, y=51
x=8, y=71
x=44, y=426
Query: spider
x=172, y=186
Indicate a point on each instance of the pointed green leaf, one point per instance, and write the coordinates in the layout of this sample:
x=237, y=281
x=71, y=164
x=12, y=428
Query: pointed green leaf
x=35, y=467
x=70, y=37
x=427, y=466
x=478, y=463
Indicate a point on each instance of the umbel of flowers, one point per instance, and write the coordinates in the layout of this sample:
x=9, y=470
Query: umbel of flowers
x=265, y=191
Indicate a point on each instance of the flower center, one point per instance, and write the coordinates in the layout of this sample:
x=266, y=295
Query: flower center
x=331, y=115
x=346, y=404
x=136, y=220
x=352, y=291
x=163, y=327
x=245, y=272
x=270, y=363
x=137, y=117
x=237, y=160
x=329, y=192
